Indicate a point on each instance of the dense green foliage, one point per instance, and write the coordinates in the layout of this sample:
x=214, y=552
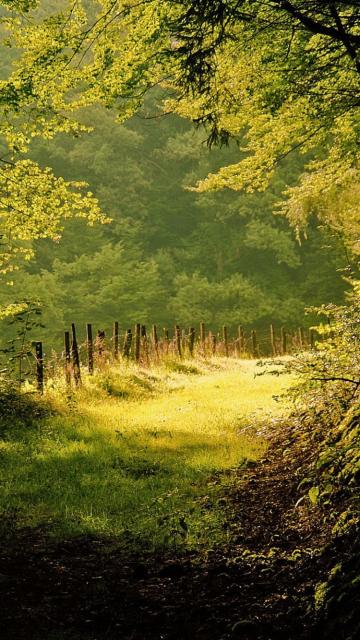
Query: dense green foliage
x=285, y=74
x=328, y=417
x=170, y=254
x=286, y=71
x=328, y=383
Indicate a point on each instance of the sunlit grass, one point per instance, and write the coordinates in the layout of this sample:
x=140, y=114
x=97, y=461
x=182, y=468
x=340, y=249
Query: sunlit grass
x=141, y=455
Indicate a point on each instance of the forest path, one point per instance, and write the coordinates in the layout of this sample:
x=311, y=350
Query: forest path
x=256, y=581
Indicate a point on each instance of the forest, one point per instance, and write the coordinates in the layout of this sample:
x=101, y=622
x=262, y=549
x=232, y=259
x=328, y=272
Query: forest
x=169, y=255
x=179, y=319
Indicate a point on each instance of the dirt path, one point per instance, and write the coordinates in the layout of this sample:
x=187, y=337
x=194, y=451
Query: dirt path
x=261, y=587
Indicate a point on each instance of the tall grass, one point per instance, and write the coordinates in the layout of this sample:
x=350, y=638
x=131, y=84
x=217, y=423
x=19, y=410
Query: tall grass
x=140, y=456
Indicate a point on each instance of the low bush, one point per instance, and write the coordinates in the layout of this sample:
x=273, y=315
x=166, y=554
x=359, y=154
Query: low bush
x=327, y=397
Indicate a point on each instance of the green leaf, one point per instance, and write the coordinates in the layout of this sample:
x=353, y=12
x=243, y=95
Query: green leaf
x=314, y=494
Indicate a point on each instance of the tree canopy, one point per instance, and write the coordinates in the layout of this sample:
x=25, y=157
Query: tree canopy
x=284, y=73
x=288, y=74
x=275, y=77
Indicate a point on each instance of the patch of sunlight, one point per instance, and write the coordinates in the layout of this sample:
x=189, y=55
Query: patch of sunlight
x=135, y=454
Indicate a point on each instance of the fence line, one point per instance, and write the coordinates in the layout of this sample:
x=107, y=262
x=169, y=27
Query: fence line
x=148, y=349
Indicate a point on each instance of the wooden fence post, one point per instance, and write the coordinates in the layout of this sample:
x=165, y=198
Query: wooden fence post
x=312, y=338
x=166, y=340
x=301, y=338
x=90, y=348
x=255, y=350
x=240, y=340
x=116, y=340
x=39, y=367
x=183, y=340
x=67, y=359
x=213, y=344
x=191, y=341
x=145, y=343
x=273, y=340
x=283, y=341
x=202, y=336
x=100, y=342
x=178, y=340
x=75, y=356
x=237, y=342
x=137, y=341
x=226, y=344
x=127, y=344
x=155, y=340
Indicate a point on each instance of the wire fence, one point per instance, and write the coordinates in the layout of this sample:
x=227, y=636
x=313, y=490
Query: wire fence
x=150, y=348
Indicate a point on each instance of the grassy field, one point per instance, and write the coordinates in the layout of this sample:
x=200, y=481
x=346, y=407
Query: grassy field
x=141, y=455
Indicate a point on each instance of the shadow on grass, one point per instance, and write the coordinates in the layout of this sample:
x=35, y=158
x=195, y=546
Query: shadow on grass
x=20, y=409
x=145, y=487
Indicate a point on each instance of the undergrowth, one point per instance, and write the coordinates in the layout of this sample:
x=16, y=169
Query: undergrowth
x=327, y=418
